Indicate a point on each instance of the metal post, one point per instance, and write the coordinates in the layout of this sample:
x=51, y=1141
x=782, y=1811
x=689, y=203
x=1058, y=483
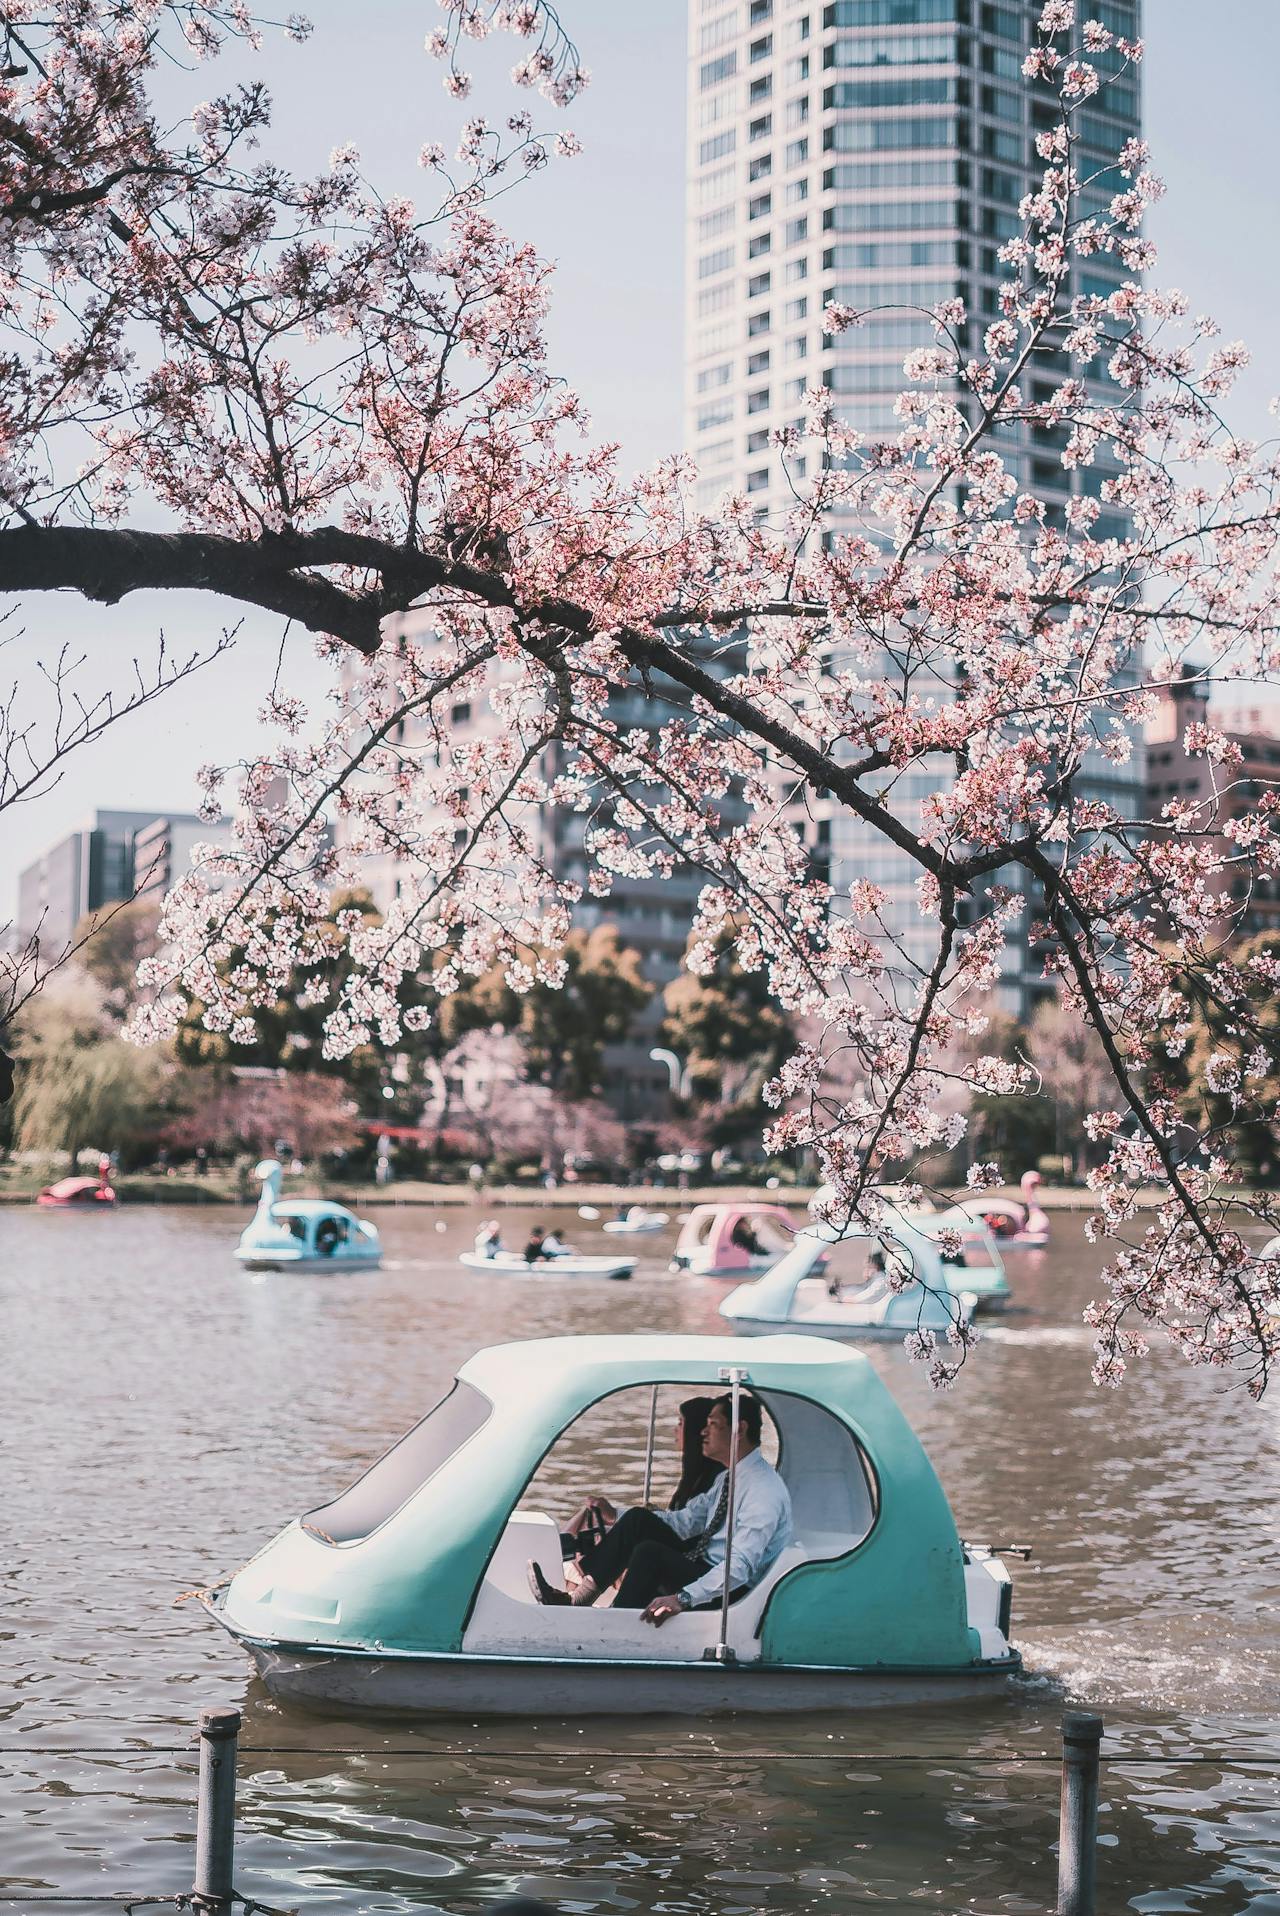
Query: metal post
x=735, y=1381
x=648, y=1455
x=216, y=1810
x=1078, y=1834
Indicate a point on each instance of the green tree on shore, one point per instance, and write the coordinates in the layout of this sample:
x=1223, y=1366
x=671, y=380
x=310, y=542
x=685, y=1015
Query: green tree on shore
x=563, y=1031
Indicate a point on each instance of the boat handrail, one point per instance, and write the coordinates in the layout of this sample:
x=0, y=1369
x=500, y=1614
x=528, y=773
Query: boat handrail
x=648, y=1455
x=735, y=1378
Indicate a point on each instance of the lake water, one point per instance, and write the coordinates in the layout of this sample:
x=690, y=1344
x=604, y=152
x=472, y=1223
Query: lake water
x=165, y=1413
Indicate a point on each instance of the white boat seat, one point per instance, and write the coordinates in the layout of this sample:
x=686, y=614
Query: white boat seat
x=506, y=1620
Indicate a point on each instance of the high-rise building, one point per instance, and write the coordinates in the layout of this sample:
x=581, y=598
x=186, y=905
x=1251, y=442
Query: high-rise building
x=872, y=152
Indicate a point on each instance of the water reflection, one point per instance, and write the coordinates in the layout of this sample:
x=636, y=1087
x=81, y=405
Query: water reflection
x=167, y=1415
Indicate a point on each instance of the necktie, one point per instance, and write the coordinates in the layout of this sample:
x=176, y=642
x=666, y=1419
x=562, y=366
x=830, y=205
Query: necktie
x=696, y=1546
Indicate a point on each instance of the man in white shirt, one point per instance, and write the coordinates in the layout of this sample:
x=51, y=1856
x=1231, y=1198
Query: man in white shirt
x=675, y=1561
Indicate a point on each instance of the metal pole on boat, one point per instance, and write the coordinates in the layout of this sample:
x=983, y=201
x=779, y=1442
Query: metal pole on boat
x=735, y=1380
x=216, y=1810
x=648, y=1455
x=1078, y=1832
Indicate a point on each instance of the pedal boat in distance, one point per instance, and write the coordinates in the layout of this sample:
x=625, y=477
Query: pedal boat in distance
x=79, y=1194
x=637, y=1222
x=858, y=1284
x=409, y=1591
x=304, y=1234
x=1017, y=1226
x=733, y=1240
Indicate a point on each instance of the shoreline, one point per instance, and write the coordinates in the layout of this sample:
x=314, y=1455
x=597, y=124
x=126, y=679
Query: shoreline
x=410, y=1196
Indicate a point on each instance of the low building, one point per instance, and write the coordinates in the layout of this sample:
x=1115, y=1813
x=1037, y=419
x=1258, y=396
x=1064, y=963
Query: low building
x=162, y=850
x=116, y=855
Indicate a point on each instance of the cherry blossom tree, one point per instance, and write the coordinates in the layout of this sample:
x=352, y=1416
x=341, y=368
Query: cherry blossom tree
x=339, y=407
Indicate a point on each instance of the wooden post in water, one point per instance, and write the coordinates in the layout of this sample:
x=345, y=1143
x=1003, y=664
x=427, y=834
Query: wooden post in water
x=216, y=1810
x=1078, y=1833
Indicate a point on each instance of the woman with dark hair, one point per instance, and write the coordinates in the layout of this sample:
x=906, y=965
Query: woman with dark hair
x=697, y=1471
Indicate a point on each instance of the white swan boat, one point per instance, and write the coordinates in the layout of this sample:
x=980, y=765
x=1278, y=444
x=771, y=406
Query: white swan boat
x=854, y=1284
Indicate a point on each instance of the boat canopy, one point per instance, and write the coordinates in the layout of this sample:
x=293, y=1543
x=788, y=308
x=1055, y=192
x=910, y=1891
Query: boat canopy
x=720, y=1239
x=419, y=1556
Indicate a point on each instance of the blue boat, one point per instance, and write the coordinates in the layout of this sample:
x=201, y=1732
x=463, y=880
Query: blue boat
x=304, y=1234
x=409, y=1591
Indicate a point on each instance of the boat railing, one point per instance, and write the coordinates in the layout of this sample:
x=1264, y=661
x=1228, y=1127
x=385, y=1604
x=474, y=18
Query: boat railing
x=214, y=1891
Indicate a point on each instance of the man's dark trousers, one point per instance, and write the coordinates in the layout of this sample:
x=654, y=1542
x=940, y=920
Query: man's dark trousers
x=649, y=1557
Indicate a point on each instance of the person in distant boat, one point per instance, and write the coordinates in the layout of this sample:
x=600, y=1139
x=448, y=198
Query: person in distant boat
x=543, y=1244
x=676, y=1561
x=744, y=1236
x=872, y=1271
x=489, y=1238
x=330, y=1233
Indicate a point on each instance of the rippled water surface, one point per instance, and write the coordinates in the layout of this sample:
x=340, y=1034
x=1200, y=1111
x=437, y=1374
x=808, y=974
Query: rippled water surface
x=165, y=1413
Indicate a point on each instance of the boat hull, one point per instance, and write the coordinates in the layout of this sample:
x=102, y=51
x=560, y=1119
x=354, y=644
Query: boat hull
x=508, y=1687
x=843, y=1332
x=508, y=1265
x=274, y=1261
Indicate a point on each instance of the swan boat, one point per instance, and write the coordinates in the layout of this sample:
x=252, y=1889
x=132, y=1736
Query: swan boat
x=636, y=1223
x=558, y=1264
x=80, y=1194
x=716, y=1240
x=304, y=1234
x=1018, y=1226
x=409, y=1591
x=857, y=1283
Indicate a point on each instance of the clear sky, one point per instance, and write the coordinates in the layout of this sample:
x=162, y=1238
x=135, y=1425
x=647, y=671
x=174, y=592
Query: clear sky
x=612, y=222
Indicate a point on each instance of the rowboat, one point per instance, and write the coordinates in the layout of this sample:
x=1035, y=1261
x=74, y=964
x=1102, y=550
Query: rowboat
x=409, y=1591
x=557, y=1264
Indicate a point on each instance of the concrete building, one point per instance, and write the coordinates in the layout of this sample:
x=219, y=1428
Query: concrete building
x=1172, y=773
x=162, y=850
x=871, y=152
x=115, y=855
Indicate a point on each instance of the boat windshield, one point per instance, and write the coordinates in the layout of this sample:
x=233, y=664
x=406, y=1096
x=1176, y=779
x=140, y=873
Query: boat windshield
x=402, y=1470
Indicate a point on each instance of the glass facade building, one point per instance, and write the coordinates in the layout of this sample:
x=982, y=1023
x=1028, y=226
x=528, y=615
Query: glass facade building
x=872, y=152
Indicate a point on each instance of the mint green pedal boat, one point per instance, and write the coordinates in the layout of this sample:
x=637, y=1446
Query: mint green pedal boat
x=409, y=1592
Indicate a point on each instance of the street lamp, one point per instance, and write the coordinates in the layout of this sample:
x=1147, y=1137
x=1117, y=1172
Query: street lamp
x=681, y=1083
